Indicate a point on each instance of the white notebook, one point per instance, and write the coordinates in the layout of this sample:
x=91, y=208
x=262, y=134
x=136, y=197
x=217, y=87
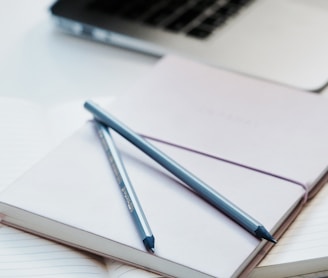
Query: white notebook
x=29, y=130
x=303, y=248
x=24, y=255
x=71, y=196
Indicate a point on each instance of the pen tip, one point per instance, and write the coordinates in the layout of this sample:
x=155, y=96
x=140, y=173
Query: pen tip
x=149, y=243
x=261, y=232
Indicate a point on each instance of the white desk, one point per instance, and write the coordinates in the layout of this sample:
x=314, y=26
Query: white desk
x=40, y=63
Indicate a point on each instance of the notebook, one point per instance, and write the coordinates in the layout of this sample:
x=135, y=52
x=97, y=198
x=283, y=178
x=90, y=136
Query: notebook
x=30, y=131
x=25, y=255
x=304, y=243
x=279, y=40
x=252, y=141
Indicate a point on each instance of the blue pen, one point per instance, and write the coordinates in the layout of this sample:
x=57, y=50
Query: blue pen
x=127, y=190
x=199, y=187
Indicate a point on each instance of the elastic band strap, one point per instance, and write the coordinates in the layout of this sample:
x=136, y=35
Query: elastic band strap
x=306, y=192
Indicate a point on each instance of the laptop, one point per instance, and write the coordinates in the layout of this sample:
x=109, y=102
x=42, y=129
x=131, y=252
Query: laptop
x=284, y=41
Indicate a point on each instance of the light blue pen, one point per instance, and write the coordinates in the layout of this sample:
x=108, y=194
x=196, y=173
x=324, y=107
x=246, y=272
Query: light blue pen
x=199, y=187
x=127, y=190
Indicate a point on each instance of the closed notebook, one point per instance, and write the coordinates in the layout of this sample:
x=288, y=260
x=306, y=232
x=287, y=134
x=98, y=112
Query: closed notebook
x=258, y=144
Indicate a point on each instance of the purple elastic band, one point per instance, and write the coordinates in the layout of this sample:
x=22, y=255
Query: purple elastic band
x=305, y=196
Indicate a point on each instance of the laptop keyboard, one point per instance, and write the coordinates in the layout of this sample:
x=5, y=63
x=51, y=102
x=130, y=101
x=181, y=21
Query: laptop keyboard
x=196, y=18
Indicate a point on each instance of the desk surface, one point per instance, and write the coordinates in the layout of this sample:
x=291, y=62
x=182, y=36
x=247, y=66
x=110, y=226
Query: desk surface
x=39, y=62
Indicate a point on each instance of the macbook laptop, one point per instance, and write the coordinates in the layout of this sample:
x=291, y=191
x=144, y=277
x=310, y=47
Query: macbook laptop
x=284, y=41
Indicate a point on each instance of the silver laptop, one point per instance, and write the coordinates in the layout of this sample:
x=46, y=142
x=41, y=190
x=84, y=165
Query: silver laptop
x=283, y=41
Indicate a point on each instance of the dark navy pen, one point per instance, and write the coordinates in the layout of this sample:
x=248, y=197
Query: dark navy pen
x=126, y=187
x=199, y=187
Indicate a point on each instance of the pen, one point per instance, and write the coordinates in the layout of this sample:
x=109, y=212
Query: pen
x=199, y=187
x=126, y=187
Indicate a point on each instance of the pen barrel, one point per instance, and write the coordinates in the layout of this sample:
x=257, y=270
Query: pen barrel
x=226, y=207
x=125, y=185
